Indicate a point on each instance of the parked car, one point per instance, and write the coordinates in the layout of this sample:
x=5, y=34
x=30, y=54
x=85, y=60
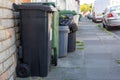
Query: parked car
x=89, y=16
x=111, y=17
x=98, y=8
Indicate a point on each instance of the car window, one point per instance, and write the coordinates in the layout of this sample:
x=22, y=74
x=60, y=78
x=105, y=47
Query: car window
x=114, y=8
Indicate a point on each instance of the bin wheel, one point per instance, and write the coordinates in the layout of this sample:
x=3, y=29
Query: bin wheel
x=55, y=57
x=23, y=70
x=55, y=60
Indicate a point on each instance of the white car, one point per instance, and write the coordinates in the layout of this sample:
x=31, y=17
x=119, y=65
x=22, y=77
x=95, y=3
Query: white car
x=89, y=16
x=98, y=8
x=111, y=17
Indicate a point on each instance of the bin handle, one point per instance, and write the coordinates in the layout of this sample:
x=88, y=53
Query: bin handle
x=15, y=6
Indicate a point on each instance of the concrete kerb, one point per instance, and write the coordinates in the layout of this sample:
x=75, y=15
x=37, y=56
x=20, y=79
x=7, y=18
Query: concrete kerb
x=110, y=33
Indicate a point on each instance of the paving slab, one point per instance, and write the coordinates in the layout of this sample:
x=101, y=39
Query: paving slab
x=96, y=61
x=111, y=42
x=100, y=59
x=92, y=42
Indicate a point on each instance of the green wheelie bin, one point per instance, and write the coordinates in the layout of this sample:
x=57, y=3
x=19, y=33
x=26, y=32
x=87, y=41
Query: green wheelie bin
x=55, y=34
x=55, y=40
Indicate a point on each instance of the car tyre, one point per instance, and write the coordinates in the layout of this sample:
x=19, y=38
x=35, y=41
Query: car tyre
x=92, y=20
x=108, y=28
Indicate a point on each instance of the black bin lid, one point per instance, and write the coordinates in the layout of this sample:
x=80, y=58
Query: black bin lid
x=34, y=7
x=41, y=3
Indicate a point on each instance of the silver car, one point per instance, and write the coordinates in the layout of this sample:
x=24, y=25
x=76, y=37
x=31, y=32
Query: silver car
x=89, y=16
x=111, y=17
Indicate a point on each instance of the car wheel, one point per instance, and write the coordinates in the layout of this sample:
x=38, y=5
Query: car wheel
x=94, y=21
x=103, y=25
x=108, y=27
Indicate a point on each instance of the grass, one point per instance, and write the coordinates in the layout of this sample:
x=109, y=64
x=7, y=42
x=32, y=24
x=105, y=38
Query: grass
x=80, y=45
x=82, y=48
x=98, y=25
x=77, y=41
x=103, y=29
x=118, y=61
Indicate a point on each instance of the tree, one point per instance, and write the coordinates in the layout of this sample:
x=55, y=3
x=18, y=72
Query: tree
x=85, y=7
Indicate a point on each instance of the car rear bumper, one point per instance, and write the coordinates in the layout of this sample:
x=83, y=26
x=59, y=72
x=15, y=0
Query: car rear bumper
x=114, y=22
x=98, y=19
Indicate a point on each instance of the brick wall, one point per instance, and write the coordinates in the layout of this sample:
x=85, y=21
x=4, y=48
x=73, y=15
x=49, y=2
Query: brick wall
x=8, y=28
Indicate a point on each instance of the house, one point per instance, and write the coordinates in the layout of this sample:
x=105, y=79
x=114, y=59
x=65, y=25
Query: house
x=64, y=4
x=114, y=2
x=8, y=39
x=9, y=32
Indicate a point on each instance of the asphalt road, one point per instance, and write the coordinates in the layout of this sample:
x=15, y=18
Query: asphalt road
x=116, y=31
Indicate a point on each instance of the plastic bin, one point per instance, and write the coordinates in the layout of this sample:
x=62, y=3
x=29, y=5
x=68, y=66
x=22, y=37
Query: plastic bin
x=55, y=31
x=67, y=20
x=36, y=40
x=55, y=38
x=71, y=42
x=72, y=37
x=63, y=40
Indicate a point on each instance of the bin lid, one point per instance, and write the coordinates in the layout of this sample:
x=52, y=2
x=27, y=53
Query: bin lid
x=42, y=3
x=34, y=7
x=66, y=12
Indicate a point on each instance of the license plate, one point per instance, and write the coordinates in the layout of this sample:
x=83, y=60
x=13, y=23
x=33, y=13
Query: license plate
x=99, y=14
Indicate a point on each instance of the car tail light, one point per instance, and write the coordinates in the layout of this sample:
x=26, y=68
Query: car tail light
x=110, y=15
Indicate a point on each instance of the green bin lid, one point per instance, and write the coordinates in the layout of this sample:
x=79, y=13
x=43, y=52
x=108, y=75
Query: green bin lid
x=64, y=12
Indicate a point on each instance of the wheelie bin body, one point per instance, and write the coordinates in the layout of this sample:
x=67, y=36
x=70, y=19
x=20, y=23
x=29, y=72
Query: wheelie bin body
x=55, y=38
x=36, y=40
x=67, y=20
x=63, y=40
x=72, y=37
x=55, y=30
x=55, y=33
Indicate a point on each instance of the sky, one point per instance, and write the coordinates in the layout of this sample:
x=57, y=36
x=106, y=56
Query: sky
x=86, y=1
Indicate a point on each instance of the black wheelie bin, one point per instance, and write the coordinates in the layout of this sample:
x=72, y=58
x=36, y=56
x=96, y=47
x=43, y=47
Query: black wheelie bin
x=55, y=30
x=72, y=37
x=36, y=40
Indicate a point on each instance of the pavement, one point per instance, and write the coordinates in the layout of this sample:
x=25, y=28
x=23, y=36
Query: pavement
x=97, y=56
x=116, y=31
